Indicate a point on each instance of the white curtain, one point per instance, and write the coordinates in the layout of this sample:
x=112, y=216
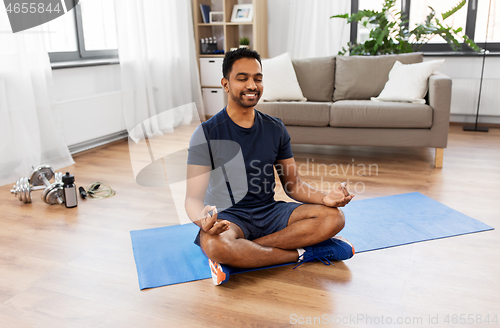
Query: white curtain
x=311, y=31
x=159, y=72
x=30, y=127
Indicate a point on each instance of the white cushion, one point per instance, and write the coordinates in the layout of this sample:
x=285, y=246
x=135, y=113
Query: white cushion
x=280, y=81
x=408, y=83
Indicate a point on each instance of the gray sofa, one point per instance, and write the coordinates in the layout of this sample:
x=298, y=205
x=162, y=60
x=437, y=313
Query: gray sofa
x=339, y=110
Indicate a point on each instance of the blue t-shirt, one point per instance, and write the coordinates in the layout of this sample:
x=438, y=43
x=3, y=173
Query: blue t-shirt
x=242, y=159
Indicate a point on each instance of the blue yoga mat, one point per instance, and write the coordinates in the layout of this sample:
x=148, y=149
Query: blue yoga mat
x=166, y=256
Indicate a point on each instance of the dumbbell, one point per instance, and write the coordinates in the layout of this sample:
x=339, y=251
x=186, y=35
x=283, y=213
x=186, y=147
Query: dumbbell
x=22, y=189
x=39, y=179
x=52, y=193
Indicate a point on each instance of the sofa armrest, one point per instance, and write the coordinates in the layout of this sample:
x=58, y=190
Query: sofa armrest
x=440, y=101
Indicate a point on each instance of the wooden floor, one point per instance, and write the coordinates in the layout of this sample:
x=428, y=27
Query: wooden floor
x=75, y=268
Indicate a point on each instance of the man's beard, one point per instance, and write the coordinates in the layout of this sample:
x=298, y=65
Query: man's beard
x=240, y=100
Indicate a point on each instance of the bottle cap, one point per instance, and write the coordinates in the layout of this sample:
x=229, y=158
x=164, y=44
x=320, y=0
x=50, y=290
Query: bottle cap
x=68, y=178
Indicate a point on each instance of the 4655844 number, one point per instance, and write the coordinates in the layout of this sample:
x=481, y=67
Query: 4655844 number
x=470, y=319
x=32, y=8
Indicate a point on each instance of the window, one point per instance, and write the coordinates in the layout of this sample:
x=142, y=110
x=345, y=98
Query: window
x=420, y=9
x=86, y=32
x=494, y=24
x=61, y=34
x=99, y=26
x=363, y=32
x=473, y=18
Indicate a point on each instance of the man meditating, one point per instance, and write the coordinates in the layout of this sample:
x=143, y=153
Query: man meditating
x=230, y=187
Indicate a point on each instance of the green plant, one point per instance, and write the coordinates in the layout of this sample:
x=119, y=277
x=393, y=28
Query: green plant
x=244, y=41
x=389, y=33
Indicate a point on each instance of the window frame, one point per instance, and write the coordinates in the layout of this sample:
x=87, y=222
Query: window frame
x=470, y=29
x=81, y=54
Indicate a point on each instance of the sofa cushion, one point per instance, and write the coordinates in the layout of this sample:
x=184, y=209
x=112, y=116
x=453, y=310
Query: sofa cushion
x=298, y=113
x=280, y=80
x=408, y=83
x=372, y=114
x=315, y=76
x=363, y=77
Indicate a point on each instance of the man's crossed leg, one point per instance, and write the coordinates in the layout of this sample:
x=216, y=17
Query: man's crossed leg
x=308, y=225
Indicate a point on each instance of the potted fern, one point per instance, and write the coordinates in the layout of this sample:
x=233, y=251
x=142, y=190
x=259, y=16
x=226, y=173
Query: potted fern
x=390, y=35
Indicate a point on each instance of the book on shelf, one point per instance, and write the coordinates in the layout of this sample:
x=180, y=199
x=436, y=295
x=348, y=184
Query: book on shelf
x=205, y=13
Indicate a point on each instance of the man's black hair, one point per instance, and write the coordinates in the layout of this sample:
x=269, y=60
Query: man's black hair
x=232, y=56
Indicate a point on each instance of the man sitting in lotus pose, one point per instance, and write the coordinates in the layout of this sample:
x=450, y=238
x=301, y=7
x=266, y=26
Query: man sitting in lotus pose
x=230, y=186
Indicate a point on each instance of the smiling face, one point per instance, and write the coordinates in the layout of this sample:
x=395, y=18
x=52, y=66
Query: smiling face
x=244, y=86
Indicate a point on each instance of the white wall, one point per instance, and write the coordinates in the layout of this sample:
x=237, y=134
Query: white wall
x=89, y=102
x=278, y=12
x=466, y=73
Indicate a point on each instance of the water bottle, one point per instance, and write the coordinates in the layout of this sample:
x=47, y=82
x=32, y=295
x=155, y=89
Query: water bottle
x=69, y=189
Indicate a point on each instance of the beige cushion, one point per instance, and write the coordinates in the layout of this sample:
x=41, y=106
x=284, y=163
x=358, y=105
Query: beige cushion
x=372, y=114
x=408, y=83
x=363, y=77
x=280, y=81
x=315, y=76
x=298, y=113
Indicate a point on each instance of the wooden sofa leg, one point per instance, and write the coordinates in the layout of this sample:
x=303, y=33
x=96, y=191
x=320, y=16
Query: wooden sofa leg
x=438, y=160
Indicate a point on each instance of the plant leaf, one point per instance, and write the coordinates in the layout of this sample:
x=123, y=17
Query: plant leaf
x=453, y=10
x=340, y=16
x=389, y=33
x=471, y=43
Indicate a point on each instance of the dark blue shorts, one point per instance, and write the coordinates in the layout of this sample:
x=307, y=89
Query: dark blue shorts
x=260, y=221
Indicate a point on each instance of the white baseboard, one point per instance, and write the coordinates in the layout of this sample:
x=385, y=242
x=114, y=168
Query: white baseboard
x=464, y=118
x=86, y=145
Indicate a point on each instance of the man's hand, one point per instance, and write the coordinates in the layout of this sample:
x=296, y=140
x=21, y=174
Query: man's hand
x=209, y=222
x=338, y=197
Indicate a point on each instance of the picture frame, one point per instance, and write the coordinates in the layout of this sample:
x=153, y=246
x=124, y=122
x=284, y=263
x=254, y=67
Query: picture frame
x=242, y=13
x=216, y=17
